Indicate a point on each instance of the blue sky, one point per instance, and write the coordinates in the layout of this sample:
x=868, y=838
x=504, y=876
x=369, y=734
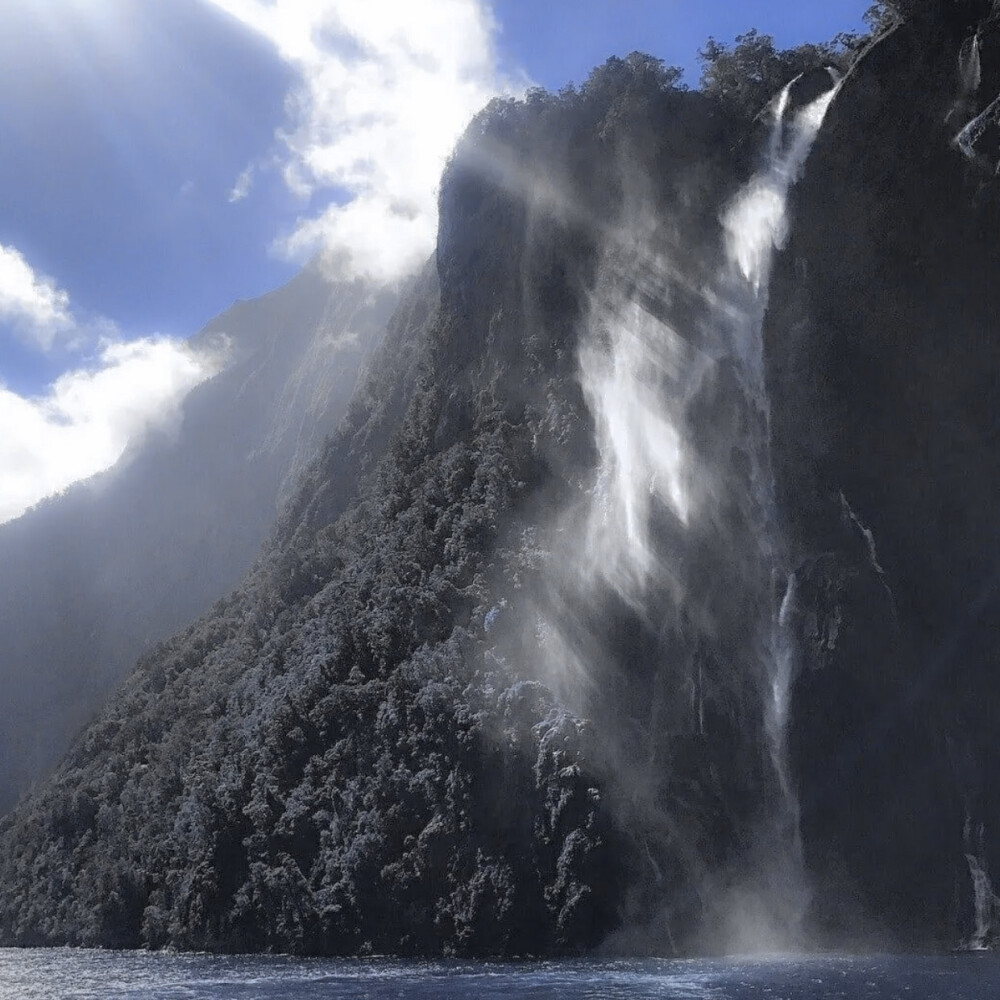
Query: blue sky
x=162, y=159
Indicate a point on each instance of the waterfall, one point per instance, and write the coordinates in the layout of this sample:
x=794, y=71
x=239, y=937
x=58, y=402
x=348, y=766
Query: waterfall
x=777, y=706
x=756, y=224
x=986, y=905
x=970, y=69
x=639, y=371
x=674, y=486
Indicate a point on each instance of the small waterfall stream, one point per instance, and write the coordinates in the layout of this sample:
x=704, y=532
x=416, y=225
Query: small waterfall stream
x=777, y=709
x=986, y=904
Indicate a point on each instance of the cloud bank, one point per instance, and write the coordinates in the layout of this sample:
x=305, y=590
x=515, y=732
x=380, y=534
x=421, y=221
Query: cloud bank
x=82, y=422
x=86, y=418
x=385, y=89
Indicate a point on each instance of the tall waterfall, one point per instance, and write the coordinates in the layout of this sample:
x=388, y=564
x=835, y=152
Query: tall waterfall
x=663, y=495
x=756, y=224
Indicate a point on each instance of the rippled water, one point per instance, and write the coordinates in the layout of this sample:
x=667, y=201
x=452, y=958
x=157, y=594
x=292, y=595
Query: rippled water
x=71, y=974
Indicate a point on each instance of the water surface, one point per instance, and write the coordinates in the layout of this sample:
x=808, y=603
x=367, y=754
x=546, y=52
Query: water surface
x=67, y=974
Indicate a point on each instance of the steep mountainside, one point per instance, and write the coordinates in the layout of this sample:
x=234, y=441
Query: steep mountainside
x=358, y=742
x=646, y=595
x=96, y=576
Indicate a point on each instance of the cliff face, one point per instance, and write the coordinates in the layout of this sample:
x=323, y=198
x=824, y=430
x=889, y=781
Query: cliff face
x=884, y=363
x=614, y=608
x=95, y=577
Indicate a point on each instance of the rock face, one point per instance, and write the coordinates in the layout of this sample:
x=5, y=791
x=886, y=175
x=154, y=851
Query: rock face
x=93, y=578
x=884, y=367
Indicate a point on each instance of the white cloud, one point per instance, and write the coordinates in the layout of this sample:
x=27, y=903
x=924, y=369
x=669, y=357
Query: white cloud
x=31, y=303
x=82, y=422
x=87, y=417
x=243, y=185
x=385, y=89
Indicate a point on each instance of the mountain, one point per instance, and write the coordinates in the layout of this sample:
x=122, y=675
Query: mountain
x=94, y=577
x=645, y=596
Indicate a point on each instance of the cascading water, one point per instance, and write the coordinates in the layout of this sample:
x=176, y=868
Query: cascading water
x=778, y=705
x=639, y=372
x=642, y=374
x=986, y=904
x=756, y=224
x=681, y=526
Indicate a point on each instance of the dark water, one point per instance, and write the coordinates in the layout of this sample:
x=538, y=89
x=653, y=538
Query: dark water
x=68, y=975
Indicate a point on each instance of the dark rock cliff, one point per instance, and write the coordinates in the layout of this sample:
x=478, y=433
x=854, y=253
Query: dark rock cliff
x=884, y=371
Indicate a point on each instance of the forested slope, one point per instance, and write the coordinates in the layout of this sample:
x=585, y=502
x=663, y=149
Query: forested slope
x=93, y=578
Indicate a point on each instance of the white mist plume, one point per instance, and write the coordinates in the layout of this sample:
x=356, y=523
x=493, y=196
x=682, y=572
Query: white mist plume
x=638, y=374
x=624, y=371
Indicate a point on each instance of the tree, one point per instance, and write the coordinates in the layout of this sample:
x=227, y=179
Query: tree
x=880, y=15
x=747, y=75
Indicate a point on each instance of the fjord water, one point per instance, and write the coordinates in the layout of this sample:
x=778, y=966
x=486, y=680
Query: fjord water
x=33, y=974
